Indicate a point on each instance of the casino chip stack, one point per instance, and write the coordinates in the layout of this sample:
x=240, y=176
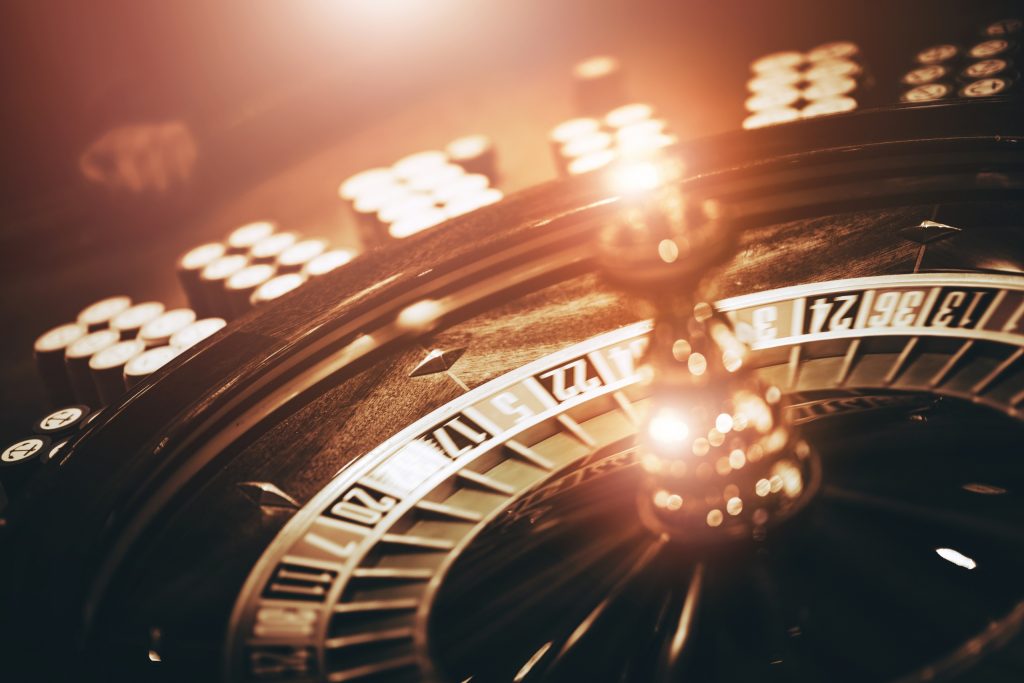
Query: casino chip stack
x=76, y=363
x=20, y=459
x=240, y=286
x=582, y=145
x=984, y=69
x=48, y=352
x=190, y=265
x=421, y=190
x=598, y=84
x=107, y=367
x=789, y=86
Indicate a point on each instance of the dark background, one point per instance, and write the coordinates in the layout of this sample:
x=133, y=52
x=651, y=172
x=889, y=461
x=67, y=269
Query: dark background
x=287, y=99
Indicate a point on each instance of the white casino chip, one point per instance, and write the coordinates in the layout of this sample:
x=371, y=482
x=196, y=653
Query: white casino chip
x=937, y=54
x=61, y=419
x=587, y=144
x=163, y=326
x=926, y=93
x=148, y=362
x=199, y=257
x=137, y=316
x=586, y=163
x=59, y=337
x=243, y=237
x=435, y=177
x=839, y=49
x=116, y=355
x=224, y=267
x=989, y=48
x=774, y=79
x=830, y=87
x=574, y=128
x=788, y=59
x=770, y=117
x=409, y=204
x=366, y=181
x=1004, y=27
x=92, y=343
x=828, y=105
x=102, y=311
x=628, y=113
x=772, y=99
x=301, y=252
x=468, y=147
x=832, y=68
x=466, y=184
x=325, y=263
x=276, y=287
x=23, y=450
x=417, y=222
x=413, y=165
x=986, y=68
x=925, y=74
x=986, y=87
x=272, y=246
x=196, y=332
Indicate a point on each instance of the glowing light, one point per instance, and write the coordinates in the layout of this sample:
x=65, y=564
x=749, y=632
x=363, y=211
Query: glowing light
x=737, y=459
x=668, y=429
x=681, y=349
x=734, y=506
x=697, y=364
x=723, y=423
x=668, y=251
x=763, y=487
x=701, y=446
x=984, y=489
x=635, y=177
x=956, y=557
x=715, y=518
x=420, y=316
x=674, y=502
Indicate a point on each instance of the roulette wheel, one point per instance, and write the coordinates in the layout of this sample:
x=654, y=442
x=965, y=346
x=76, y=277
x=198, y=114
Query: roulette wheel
x=443, y=459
